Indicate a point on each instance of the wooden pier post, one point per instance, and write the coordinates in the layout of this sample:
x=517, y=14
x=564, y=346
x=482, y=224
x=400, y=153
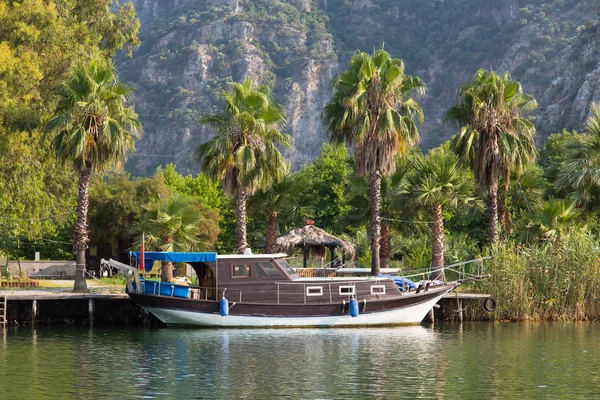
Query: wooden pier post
x=459, y=305
x=91, y=310
x=3, y=307
x=34, y=311
x=431, y=316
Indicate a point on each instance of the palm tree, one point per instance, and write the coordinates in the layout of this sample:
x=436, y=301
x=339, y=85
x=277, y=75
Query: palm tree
x=280, y=200
x=171, y=225
x=581, y=174
x=94, y=128
x=360, y=212
x=372, y=109
x=244, y=154
x=551, y=220
x=435, y=182
x=494, y=134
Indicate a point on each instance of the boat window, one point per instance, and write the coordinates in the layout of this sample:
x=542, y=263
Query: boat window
x=377, y=289
x=286, y=267
x=240, y=270
x=264, y=269
x=314, y=290
x=346, y=290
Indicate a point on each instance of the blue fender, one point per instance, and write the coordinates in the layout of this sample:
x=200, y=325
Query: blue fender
x=224, y=307
x=354, y=308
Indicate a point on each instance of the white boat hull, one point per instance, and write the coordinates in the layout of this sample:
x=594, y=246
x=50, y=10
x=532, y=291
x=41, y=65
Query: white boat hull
x=408, y=315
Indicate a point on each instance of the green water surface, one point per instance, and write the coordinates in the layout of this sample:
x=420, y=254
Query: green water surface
x=472, y=361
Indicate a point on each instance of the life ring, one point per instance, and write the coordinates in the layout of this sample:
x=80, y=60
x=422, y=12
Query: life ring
x=489, y=304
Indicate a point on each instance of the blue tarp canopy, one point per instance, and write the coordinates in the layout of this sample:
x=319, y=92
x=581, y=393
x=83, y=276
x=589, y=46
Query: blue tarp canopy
x=191, y=257
x=401, y=281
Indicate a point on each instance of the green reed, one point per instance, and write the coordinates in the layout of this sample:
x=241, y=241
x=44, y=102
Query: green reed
x=558, y=280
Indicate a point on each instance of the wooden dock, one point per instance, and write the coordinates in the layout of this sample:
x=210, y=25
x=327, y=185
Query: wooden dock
x=30, y=307
x=454, y=306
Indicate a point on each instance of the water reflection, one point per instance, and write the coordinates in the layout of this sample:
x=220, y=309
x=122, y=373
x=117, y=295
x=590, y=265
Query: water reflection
x=473, y=361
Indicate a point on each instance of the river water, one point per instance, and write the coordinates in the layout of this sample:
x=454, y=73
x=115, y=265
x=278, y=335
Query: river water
x=472, y=361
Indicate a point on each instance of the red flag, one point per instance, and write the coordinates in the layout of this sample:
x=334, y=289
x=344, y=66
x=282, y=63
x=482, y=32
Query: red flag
x=142, y=254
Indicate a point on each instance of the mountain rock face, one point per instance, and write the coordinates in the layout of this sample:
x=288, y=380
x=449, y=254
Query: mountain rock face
x=192, y=49
x=568, y=97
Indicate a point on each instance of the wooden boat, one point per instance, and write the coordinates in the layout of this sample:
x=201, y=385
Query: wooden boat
x=263, y=291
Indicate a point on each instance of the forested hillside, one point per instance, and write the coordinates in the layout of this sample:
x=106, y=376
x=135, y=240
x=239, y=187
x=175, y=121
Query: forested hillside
x=191, y=49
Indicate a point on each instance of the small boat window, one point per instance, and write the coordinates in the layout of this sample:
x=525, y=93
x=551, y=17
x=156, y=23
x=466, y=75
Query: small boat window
x=285, y=266
x=264, y=269
x=240, y=270
x=346, y=290
x=377, y=289
x=314, y=290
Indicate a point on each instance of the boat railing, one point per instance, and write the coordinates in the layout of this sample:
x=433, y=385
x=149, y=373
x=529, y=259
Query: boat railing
x=232, y=290
x=316, y=272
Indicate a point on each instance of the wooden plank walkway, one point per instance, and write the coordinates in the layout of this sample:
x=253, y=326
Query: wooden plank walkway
x=466, y=296
x=48, y=295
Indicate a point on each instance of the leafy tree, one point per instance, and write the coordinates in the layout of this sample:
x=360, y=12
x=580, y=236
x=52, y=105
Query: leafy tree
x=371, y=109
x=40, y=40
x=93, y=128
x=494, y=134
x=199, y=186
x=116, y=205
x=177, y=223
x=279, y=204
x=435, y=182
x=326, y=183
x=244, y=153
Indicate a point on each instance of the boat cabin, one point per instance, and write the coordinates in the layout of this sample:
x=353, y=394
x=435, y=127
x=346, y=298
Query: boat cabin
x=261, y=278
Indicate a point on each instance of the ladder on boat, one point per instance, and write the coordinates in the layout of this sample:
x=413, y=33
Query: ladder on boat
x=3, y=311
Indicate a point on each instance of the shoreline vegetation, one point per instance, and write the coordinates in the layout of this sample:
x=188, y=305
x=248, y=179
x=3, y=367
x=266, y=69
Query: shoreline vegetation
x=67, y=131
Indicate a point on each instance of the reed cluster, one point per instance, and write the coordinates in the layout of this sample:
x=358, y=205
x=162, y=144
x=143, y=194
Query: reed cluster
x=547, y=281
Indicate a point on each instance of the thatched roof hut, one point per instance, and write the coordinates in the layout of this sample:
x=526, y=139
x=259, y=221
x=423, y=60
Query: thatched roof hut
x=314, y=240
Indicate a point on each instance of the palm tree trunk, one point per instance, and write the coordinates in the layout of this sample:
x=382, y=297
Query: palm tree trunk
x=385, y=250
x=240, y=217
x=81, y=230
x=504, y=215
x=166, y=273
x=493, y=213
x=437, y=244
x=271, y=234
x=375, y=228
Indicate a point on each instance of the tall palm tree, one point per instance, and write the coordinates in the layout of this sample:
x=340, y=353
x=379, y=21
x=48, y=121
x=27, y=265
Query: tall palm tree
x=494, y=133
x=435, y=182
x=280, y=200
x=371, y=108
x=93, y=128
x=171, y=225
x=360, y=212
x=244, y=154
x=581, y=174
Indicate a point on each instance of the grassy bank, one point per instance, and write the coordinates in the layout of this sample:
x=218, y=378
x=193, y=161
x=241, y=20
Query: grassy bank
x=547, y=281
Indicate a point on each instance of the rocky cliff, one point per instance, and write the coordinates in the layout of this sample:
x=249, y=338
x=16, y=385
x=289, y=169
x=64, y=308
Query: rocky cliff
x=192, y=49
